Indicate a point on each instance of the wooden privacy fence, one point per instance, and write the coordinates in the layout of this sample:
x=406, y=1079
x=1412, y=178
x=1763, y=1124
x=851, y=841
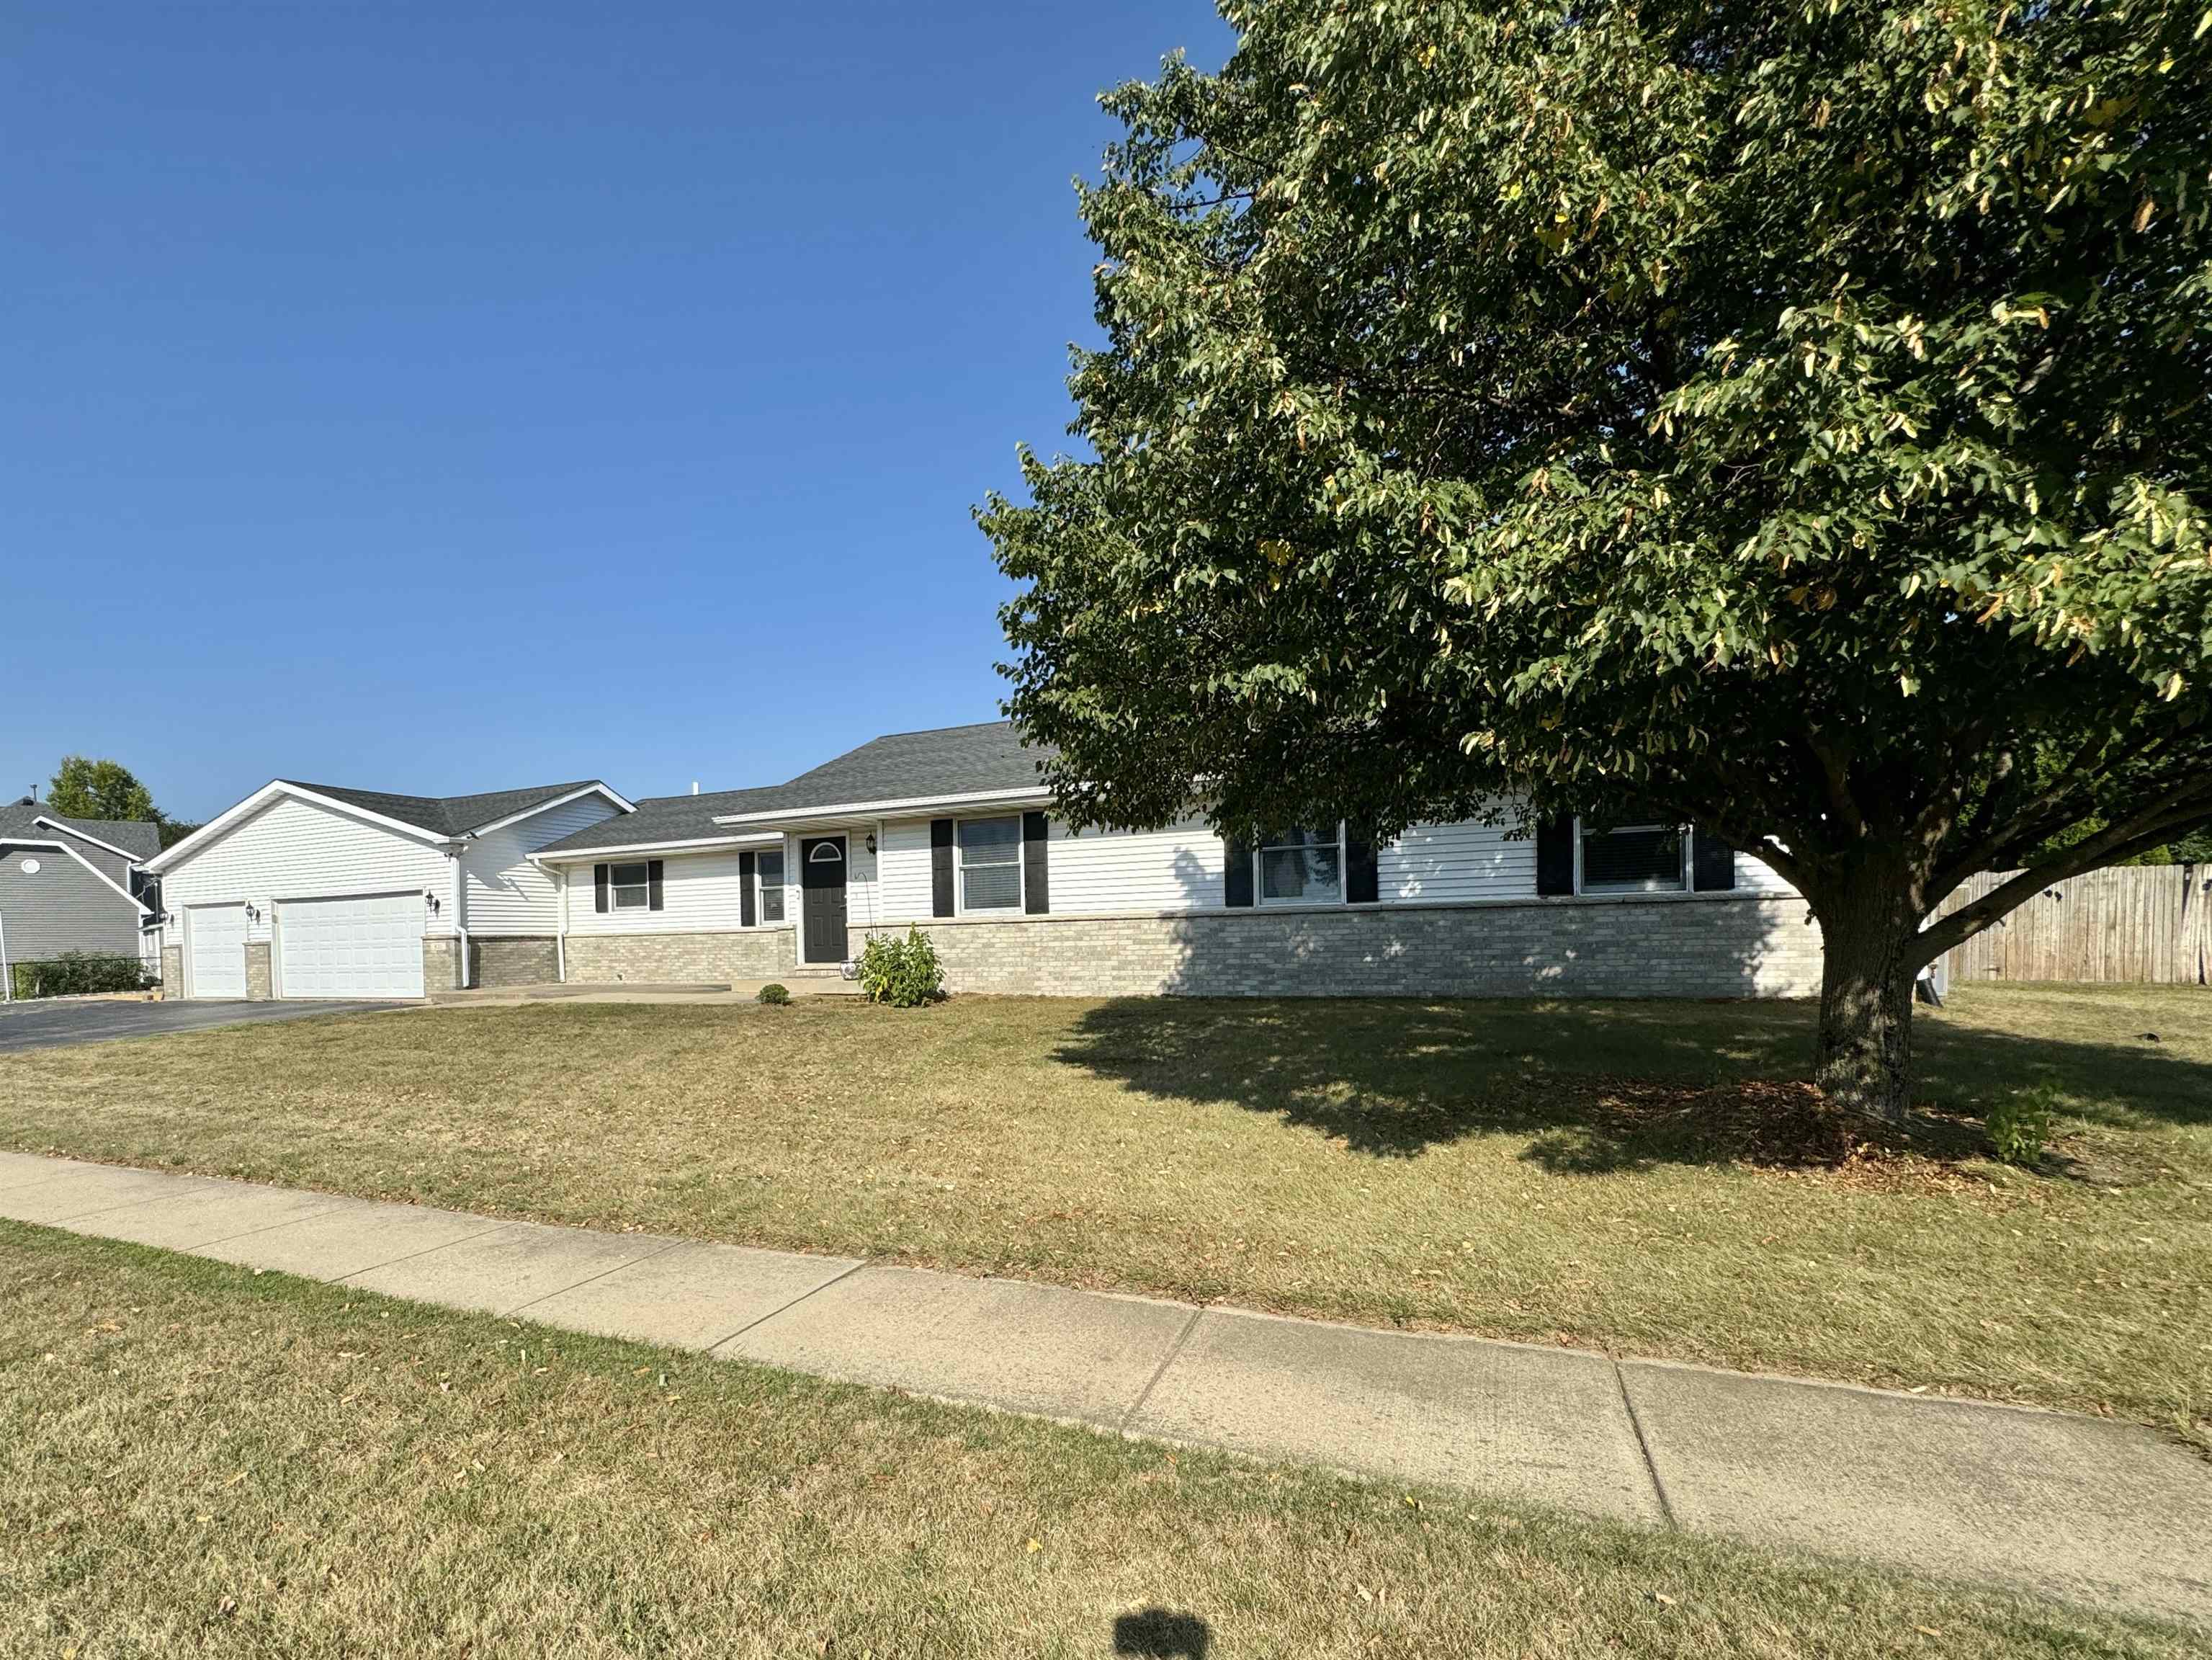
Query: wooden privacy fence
x=2133, y=922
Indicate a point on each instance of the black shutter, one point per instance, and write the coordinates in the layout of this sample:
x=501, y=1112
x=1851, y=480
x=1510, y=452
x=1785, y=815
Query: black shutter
x=1237, y=873
x=652, y=884
x=1555, y=856
x=1036, y=886
x=1712, y=863
x=1363, y=881
x=940, y=867
x=746, y=865
x=598, y=887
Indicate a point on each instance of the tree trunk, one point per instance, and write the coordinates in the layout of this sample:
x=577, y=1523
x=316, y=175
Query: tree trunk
x=1865, y=998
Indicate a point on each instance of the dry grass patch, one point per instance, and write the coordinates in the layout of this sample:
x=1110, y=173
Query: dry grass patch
x=1642, y=1176
x=199, y=1460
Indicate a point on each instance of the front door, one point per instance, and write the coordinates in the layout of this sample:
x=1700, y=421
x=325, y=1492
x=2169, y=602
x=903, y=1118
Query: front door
x=822, y=884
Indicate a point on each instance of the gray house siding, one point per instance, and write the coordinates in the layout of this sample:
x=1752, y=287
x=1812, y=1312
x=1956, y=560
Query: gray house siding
x=62, y=907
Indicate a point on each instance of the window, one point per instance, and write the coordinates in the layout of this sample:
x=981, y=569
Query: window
x=770, y=866
x=1301, y=868
x=1634, y=859
x=629, y=887
x=991, y=863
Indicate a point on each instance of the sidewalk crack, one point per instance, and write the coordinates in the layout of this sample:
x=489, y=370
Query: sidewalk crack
x=1166, y=1360
x=786, y=1308
x=1644, y=1446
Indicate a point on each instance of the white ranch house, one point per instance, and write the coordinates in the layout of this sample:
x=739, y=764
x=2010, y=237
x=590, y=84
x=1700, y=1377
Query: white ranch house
x=318, y=891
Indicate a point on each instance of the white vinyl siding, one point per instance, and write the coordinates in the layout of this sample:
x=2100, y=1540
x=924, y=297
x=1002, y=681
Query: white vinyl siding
x=1757, y=876
x=503, y=893
x=1100, y=872
x=1178, y=868
x=903, y=885
x=1437, y=863
x=700, y=893
x=295, y=849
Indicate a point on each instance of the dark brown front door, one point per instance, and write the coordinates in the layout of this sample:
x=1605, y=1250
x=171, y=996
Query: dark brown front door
x=822, y=884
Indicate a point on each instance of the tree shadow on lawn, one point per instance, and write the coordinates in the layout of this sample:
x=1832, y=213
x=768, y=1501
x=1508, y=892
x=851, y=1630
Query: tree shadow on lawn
x=1596, y=1085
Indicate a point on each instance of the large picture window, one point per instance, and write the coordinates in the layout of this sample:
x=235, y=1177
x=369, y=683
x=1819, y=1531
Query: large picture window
x=1301, y=868
x=769, y=864
x=1634, y=859
x=991, y=863
x=629, y=887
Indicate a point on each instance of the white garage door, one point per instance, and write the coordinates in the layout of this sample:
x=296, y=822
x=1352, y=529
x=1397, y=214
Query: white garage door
x=215, y=937
x=369, y=947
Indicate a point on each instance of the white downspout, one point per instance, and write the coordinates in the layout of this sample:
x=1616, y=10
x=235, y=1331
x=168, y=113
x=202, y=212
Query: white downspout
x=7, y=979
x=560, y=931
x=460, y=924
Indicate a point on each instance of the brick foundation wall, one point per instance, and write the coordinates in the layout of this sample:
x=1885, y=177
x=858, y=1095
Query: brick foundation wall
x=519, y=961
x=441, y=960
x=258, y=988
x=604, y=959
x=172, y=971
x=1690, y=946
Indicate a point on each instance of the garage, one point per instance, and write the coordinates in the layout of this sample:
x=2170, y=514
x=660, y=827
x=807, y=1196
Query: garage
x=214, y=944
x=356, y=946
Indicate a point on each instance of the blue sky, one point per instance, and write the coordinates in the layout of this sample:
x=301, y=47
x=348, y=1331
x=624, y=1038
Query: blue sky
x=443, y=399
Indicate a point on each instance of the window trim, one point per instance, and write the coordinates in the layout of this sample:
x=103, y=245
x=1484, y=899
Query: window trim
x=1261, y=847
x=642, y=887
x=762, y=886
x=1687, y=883
x=960, y=905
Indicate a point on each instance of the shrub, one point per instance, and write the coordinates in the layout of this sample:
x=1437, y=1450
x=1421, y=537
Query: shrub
x=75, y=972
x=773, y=993
x=2018, y=1126
x=904, y=973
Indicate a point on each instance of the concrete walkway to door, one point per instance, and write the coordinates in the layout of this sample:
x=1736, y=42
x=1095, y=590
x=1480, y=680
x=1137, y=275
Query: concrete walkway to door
x=2102, y=1512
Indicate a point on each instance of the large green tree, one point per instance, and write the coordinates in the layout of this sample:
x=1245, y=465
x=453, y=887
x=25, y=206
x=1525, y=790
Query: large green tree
x=82, y=787
x=1792, y=419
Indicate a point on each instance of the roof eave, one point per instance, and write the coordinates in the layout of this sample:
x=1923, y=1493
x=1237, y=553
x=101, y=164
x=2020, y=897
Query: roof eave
x=898, y=807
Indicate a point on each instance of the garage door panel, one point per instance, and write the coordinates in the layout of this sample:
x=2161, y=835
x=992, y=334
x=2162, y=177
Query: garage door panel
x=351, y=946
x=215, y=939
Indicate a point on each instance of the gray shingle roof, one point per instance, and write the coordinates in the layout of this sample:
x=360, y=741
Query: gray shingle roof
x=904, y=766
x=446, y=815
x=139, y=839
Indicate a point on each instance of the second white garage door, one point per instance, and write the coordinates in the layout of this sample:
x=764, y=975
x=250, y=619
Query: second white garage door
x=350, y=947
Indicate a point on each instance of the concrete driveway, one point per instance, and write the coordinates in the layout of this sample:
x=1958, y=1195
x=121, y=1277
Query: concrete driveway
x=43, y=1023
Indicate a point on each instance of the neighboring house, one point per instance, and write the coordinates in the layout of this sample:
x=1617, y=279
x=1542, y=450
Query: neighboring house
x=316, y=890
x=950, y=830
x=302, y=891
x=74, y=884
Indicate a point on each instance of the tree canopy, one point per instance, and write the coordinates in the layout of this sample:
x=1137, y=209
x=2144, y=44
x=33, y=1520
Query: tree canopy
x=82, y=787
x=85, y=789
x=1793, y=419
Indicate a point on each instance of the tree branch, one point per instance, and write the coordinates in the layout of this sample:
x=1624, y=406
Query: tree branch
x=2139, y=834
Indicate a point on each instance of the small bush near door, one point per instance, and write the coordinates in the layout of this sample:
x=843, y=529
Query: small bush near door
x=773, y=993
x=904, y=973
x=77, y=972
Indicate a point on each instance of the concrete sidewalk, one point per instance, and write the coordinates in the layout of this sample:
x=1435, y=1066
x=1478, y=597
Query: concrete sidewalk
x=2101, y=1512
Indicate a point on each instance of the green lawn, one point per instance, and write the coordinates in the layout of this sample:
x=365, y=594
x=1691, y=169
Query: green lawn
x=199, y=1459
x=1592, y=1173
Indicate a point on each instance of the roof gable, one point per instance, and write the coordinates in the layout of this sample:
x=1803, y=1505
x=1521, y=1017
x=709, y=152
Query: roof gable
x=986, y=758
x=448, y=815
x=135, y=838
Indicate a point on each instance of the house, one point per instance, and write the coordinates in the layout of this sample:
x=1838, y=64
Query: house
x=74, y=884
x=304, y=890
x=319, y=890
x=951, y=830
